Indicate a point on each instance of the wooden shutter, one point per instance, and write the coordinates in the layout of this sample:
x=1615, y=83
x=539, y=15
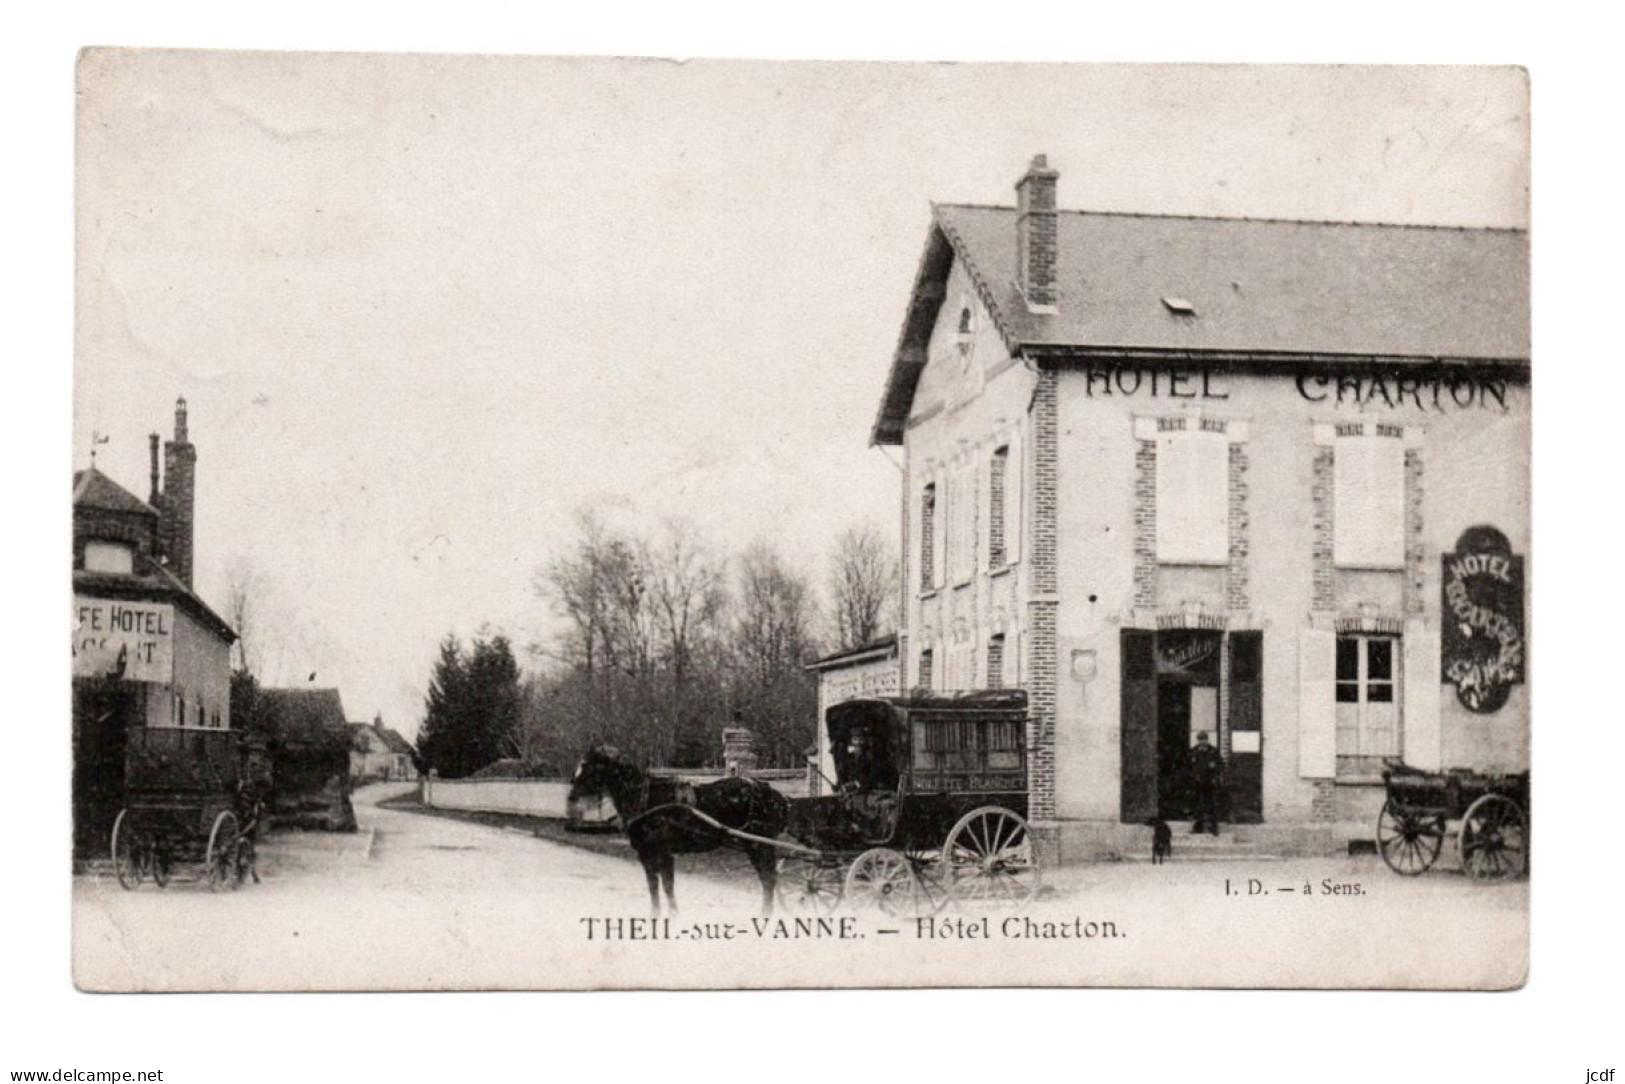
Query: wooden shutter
x=1317, y=716
x=1244, y=772
x=1369, y=502
x=1193, y=499
x=1139, y=726
x=1421, y=740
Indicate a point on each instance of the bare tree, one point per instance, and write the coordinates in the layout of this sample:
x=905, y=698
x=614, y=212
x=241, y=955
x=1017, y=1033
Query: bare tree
x=774, y=618
x=862, y=585
x=245, y=605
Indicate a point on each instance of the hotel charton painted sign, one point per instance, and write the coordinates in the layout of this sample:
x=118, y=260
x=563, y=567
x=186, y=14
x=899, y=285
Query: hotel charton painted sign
x=1482, y=639
x=129, y=640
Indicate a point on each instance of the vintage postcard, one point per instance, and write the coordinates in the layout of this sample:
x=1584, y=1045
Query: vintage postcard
x=561, y=523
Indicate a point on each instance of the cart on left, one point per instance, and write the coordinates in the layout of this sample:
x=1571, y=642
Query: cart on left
x=189, y=801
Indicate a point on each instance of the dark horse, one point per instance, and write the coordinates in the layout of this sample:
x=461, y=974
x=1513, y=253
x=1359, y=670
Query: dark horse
x=657, y=817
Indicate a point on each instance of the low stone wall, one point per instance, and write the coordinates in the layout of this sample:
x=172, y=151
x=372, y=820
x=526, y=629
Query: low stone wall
x=533, y=797
x=548, y=797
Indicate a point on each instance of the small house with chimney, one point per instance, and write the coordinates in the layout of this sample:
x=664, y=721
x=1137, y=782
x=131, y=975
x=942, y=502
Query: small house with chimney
x=147, y=650
x=1263, y=479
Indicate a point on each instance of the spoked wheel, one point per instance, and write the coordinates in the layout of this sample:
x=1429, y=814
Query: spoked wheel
x=220, y=860
x=883, y=878
x=130, y=859
x=990, y=859
x=1494, y=840
x=1409, y=839
x=808, y=885
x=930, y=883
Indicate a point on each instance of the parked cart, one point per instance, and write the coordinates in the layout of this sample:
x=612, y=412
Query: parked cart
x=1491, y=813
x=188, y=801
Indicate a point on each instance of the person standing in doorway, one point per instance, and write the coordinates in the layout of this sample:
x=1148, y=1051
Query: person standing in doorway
x=1207, y=770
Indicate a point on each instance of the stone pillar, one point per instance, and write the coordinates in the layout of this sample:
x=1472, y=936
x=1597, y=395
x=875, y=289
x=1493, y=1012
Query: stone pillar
x=738, y=750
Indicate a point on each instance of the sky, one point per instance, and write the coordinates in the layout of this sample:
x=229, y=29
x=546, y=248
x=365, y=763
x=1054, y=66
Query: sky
x=424, y=308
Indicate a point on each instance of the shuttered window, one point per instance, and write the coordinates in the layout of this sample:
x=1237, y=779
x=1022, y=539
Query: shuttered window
x=1368, y=516
x=929, y=568
x=1193, y=510
x=997, y=475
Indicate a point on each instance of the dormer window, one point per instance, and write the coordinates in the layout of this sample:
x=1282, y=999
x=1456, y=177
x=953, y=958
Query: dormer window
x=109, y=557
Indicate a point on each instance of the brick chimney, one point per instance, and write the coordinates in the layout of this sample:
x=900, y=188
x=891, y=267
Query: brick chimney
x=180, y=471
x=1035, y=236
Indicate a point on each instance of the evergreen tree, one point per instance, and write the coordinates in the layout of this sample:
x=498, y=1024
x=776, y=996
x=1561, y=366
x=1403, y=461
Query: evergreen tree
x=472, y=710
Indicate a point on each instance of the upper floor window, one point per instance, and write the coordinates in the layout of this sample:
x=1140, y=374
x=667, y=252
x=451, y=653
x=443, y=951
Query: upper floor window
x=929, y=571
x=1193, y=509
x=926, y=677
x=109, y=557
x=997, y=476
x=1368, y=486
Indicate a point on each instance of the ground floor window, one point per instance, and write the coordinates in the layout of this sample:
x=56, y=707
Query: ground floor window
x=1368, y=703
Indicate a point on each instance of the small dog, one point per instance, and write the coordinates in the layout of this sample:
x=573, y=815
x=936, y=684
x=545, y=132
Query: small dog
x=1162, y=840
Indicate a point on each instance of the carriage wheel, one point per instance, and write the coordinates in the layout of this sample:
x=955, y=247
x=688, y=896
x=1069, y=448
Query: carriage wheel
x=884, y=879
x=990, y=858
x=127, y=853
x=928, y=876
x=808, y=885
x=220, y=860
x=1493, y=839
x=1409, y=839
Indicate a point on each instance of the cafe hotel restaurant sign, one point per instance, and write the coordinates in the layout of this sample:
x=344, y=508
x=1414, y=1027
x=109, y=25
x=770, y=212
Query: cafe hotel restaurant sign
x=129, y=640
x=1483, y=629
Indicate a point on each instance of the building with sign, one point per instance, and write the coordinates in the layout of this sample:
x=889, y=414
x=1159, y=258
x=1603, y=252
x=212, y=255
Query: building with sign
x=866, y=670
x=1265, y=479
x=147, y=650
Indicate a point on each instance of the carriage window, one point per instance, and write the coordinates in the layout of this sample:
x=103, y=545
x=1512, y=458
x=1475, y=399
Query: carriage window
x=1368, y=714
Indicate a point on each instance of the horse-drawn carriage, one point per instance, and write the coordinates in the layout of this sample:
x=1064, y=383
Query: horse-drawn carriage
x=191, y=796
x=1492, y=810
x=928, y=807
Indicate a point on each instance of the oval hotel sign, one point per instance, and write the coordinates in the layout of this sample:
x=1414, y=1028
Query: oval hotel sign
x=1482, y=641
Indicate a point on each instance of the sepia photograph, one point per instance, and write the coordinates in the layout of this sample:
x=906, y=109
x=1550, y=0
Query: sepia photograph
x=577, y=523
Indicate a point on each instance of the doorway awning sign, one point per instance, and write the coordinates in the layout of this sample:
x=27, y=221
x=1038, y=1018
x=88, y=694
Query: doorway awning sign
x=129, y=640
x=1482, y=634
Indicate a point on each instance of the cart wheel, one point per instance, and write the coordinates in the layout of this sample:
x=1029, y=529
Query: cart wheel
x=883, y=878
x=808, y=885
x=220, y=860
x=990, y=858
x=1409, y=839
x=126, y=851
x=1492, y=840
